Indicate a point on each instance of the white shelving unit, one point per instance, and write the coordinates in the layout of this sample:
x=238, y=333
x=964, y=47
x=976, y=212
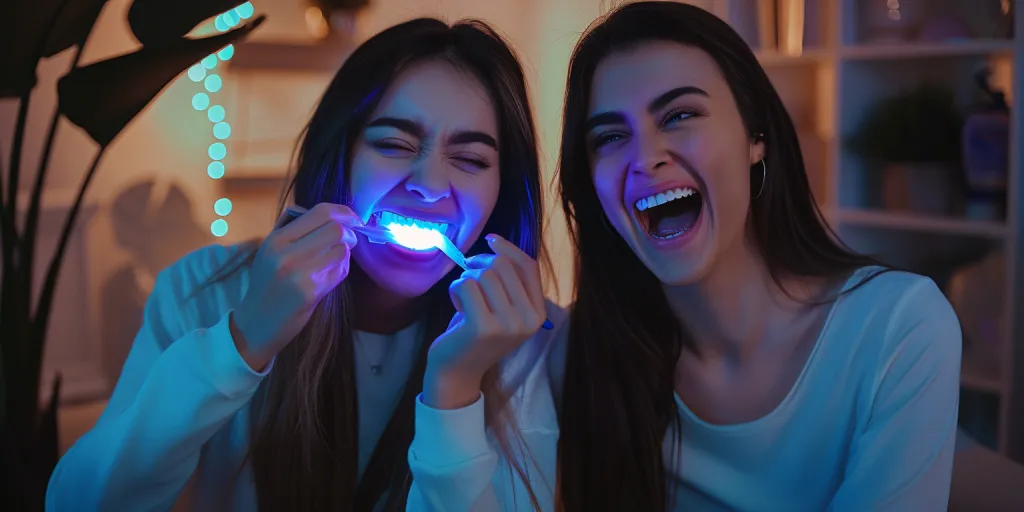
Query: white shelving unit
x=828, y=83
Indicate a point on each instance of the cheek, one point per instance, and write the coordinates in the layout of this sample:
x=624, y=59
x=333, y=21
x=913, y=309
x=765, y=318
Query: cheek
x=607, y=178
x=478, y=194
x=724, y=170
x=371, y=177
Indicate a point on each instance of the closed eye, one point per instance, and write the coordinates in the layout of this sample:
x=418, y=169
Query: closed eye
x=477, y=164
x=393, y=147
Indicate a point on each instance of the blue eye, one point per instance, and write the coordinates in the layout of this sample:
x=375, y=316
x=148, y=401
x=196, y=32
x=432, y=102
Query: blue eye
x=607, y=138
x=678, y=115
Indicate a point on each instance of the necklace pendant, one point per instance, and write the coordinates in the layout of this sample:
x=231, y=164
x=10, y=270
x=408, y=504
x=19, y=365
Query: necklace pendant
x=375, y=369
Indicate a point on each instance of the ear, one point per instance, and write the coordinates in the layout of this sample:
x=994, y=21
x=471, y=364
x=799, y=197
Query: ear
x=757, y=149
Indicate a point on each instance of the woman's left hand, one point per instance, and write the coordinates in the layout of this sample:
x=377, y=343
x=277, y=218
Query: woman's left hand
x=500, y=304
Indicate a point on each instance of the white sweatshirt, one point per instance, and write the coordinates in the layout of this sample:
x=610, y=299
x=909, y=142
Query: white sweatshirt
x=181, y=407
x=869, y=425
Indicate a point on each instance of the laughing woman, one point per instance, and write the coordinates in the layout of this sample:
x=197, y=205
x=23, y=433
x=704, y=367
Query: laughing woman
x=724, y=352
x=283, y=376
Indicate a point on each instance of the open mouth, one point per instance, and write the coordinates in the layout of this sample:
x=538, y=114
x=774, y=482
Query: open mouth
x=671, y=213
x=411, y=233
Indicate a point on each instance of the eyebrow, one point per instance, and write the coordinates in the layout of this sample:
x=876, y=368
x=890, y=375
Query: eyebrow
x=417, y=130
x=605, y=118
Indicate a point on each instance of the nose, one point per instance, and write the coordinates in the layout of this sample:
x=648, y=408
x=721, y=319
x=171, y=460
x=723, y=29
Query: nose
x=651, y=153
x=429, y=182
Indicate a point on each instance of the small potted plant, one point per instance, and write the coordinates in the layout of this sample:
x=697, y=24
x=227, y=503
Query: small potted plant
x=914, y=137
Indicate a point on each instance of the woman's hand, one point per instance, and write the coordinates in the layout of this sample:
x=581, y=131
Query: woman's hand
x=295, y=267
x=500, y=304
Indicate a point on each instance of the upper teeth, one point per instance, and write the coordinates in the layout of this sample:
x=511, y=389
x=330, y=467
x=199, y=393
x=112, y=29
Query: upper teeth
x=387, y=218
x=664, y=197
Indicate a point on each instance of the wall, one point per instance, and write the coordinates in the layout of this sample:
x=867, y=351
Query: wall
x=151, y=201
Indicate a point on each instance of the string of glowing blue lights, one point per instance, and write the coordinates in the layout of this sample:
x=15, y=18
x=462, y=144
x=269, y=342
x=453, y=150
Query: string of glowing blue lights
x=204, y=72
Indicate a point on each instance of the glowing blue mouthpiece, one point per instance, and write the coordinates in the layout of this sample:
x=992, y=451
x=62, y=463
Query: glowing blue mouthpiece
x=416, y=238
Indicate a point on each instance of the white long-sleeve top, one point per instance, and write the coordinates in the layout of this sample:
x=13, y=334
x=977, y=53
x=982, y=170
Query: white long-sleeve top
x=180, y=409
x=870, y=424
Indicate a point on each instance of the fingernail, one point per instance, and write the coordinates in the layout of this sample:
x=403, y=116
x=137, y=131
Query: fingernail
x=491, y=238
x=547, y=326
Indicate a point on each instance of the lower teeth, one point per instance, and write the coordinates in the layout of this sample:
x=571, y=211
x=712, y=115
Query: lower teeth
x=669, y=237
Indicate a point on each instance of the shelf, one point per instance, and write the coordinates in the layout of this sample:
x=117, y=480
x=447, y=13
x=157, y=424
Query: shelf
x=977, y=378
x=808, y=57
x=925, y=50
x=921, y=223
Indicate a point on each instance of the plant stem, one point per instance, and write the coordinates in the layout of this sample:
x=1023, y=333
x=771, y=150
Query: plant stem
x=11, y=205
x=10, y=305
x=28, y=242
x=41, y=316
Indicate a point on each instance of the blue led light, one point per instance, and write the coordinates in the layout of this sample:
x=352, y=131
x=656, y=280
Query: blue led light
x=219, y=227
x=196, y=73
x=245, y=11
x=222, y=206
x=200, y=101
x=215, y=114
x=212, y=83
x=215, y=170
x=222, y=130
x=226, y=52
x=221, y=24
x=217, y=151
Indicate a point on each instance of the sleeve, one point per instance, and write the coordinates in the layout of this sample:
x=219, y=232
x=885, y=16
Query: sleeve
x=451, y=461
x=903, y=458
x=175, y=391
x=454, y=465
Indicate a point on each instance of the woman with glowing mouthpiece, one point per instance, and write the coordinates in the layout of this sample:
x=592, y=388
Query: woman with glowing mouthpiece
x=724, y=353
x=284, y=376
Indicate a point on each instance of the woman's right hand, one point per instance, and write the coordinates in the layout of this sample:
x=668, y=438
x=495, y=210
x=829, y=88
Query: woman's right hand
x=294, y=268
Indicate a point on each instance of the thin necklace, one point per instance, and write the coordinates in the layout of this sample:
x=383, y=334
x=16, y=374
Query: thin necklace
x=378, y=367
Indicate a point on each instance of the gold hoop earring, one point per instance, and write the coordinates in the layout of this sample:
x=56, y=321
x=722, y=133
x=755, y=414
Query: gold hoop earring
x=764, y=177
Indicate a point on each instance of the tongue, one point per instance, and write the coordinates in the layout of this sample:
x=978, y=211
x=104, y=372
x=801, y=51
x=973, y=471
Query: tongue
x=672, y=224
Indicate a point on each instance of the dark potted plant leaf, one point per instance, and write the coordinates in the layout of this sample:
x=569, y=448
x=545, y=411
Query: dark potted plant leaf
x=102, y=98
x=32, y=30
x=23, y=30
x=73, y=25
x=159, y=22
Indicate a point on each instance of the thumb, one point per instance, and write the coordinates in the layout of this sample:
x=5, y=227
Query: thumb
x=455, y=320
x=456, y=301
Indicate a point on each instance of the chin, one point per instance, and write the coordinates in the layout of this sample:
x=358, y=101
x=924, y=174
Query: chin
x=399, y=273
x=402, y=283
x=678, y=271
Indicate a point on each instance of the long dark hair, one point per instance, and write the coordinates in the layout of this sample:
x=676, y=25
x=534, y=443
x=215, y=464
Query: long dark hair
x=305, y=440
x=624, y=339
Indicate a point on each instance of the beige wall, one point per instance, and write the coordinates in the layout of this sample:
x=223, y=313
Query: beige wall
x=152, y=201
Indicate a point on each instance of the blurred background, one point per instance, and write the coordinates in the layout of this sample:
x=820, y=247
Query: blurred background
x=904, y=109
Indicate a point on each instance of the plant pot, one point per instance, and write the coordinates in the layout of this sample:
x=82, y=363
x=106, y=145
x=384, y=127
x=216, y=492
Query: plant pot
x=925, y=188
